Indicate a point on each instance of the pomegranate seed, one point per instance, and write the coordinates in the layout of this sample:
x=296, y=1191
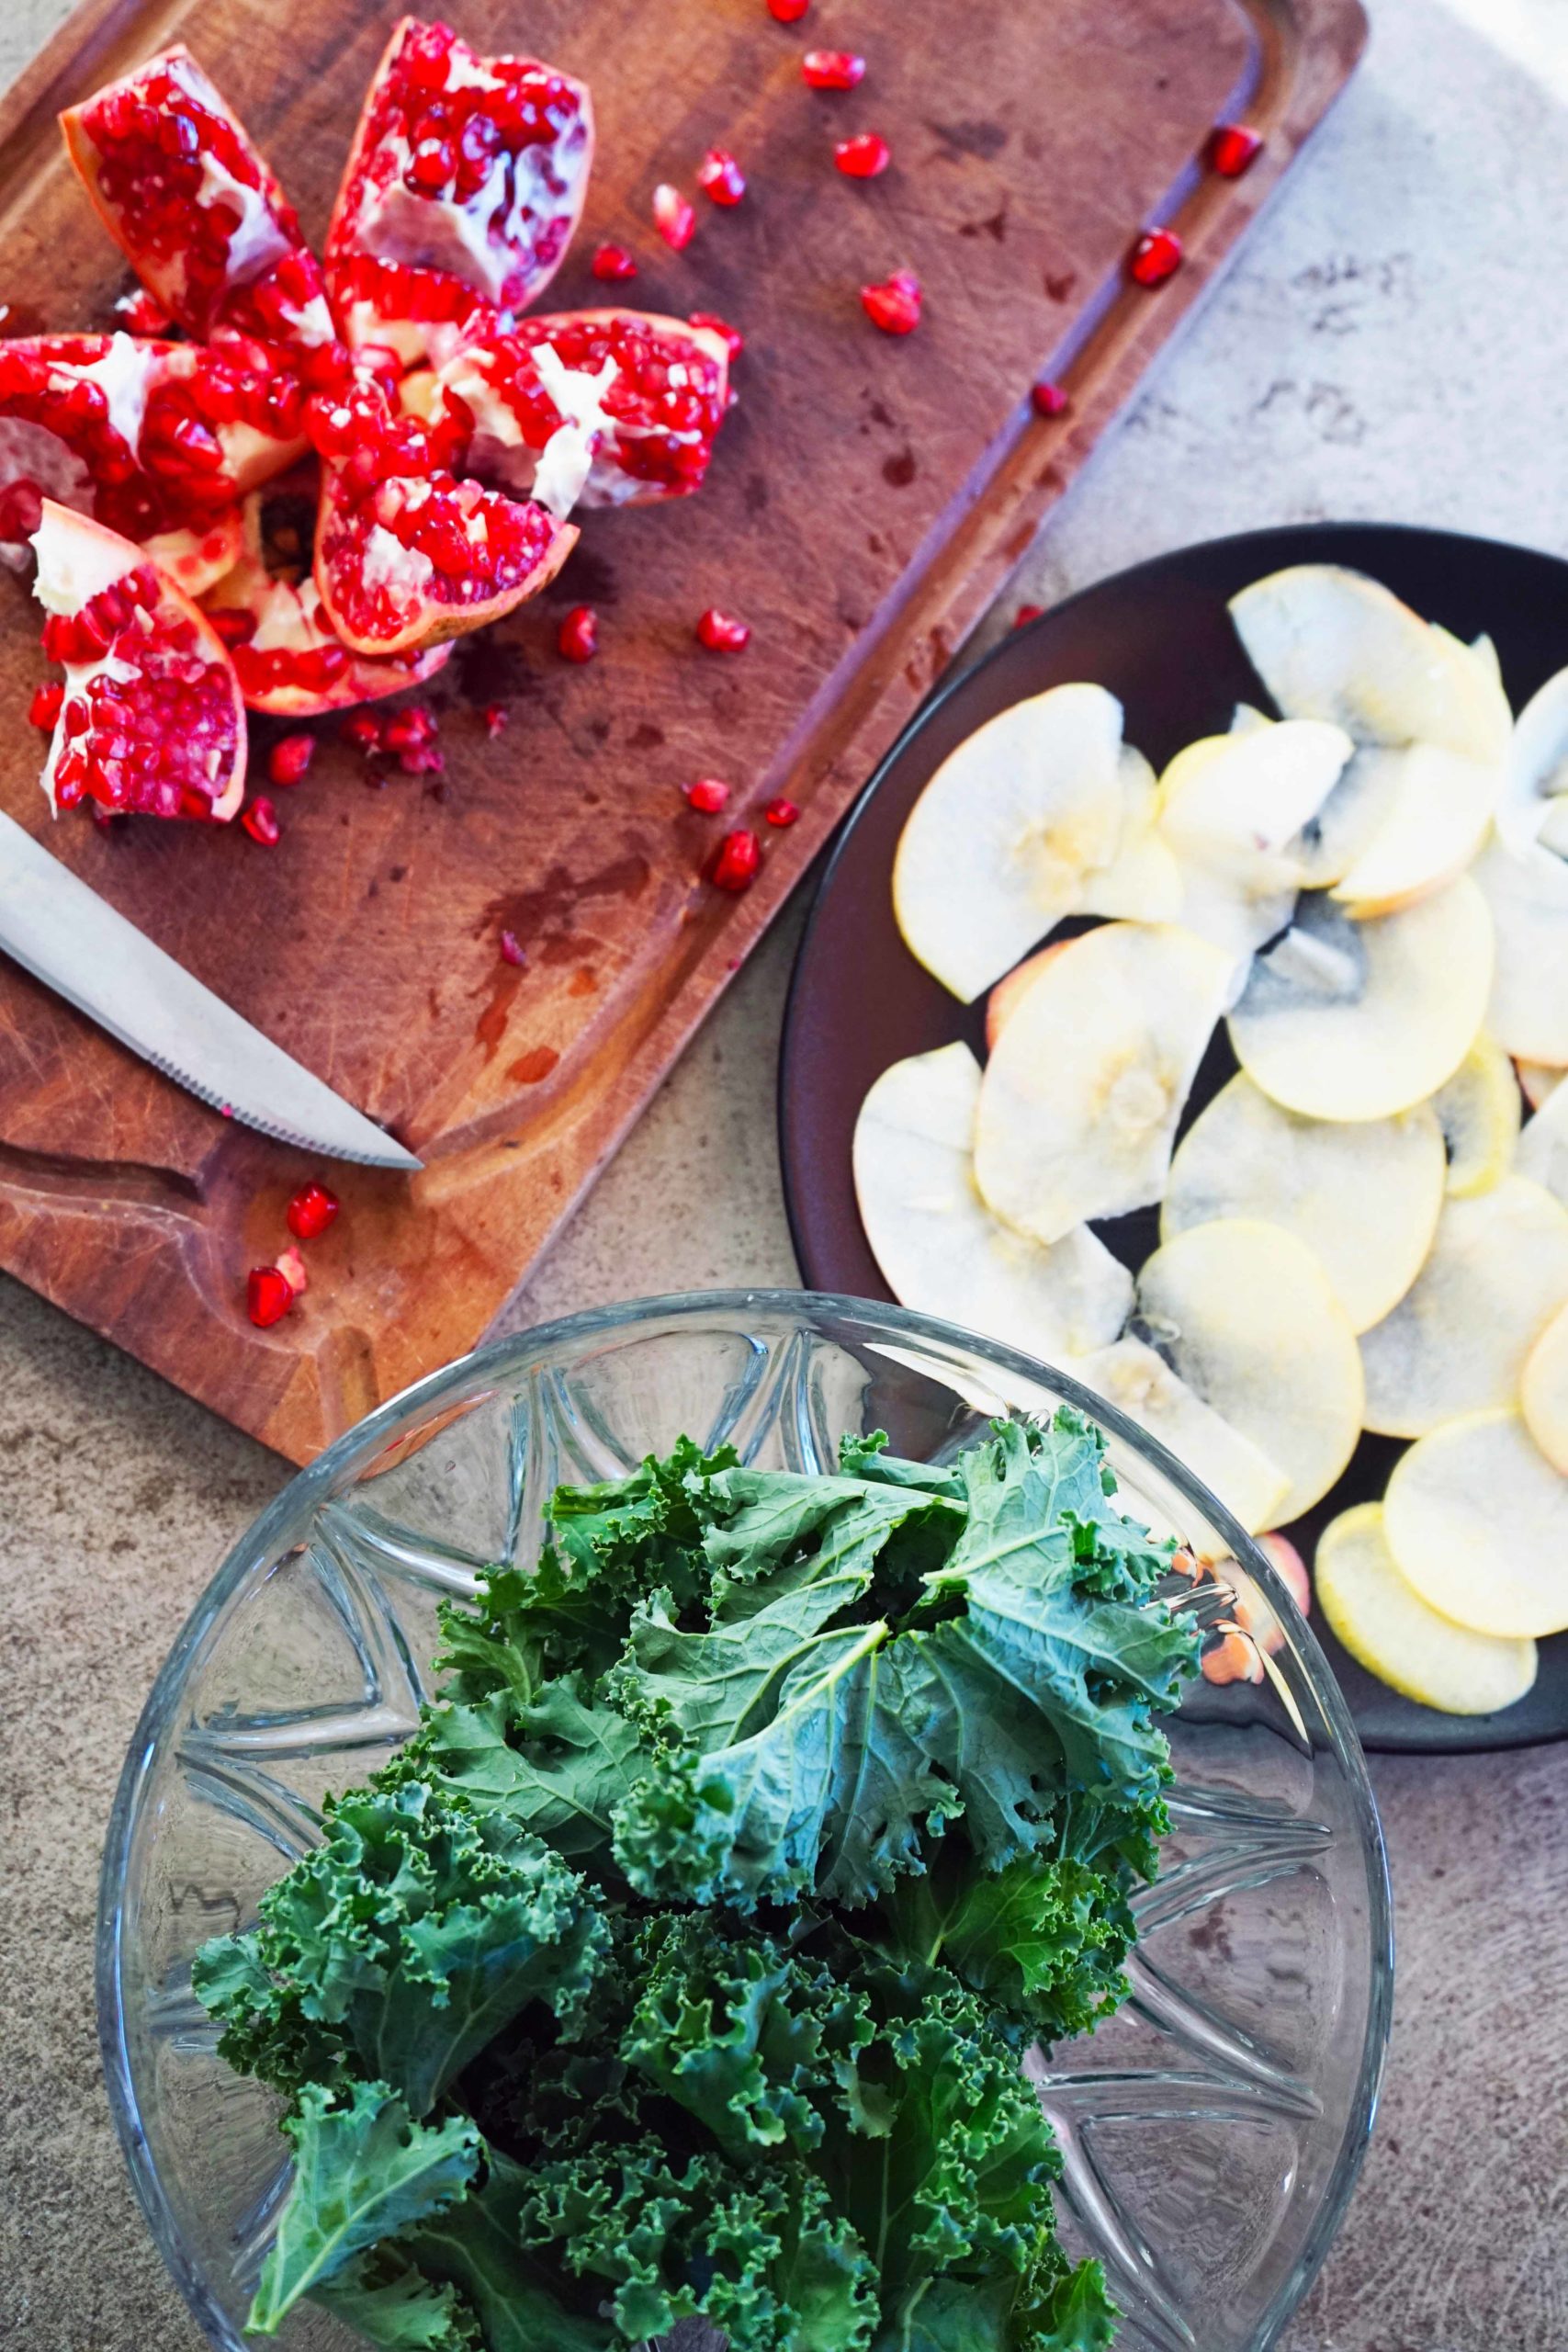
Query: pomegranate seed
x=1025, y=614
x=578, y=636
x=291, y=1266
x=787, y=12
x=781, y=812
x=615, y=263
x=311, y=1211
x=673, y=217
x=289, y=758
x=513, y=950
x=735, y=867
x=260, y=821
x=363, y=731
x=707, y=795
x=495, y=716
x=141, y=313
x=732, y=335
x=1049, y=399
x=1234, y=149
x=862, y=157
x=721, y=633
x=721, y=177
x=268, y=1297
x=893, y=306
x=832, y=69
x=1155, y=256
x=44, y=708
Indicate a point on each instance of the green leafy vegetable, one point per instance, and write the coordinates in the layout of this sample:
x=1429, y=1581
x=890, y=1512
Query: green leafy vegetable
x=679, y=1968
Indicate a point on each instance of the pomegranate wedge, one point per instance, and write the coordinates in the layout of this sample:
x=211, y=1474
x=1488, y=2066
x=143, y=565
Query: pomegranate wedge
x=151, y=719
x=190, y=202
x=288, y=659
x=463, y=189
x=156, y=440
x=662, y=390
x=407, y=555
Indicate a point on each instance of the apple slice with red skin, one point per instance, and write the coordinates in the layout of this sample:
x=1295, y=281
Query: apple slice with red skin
x=184, y=193
x=152, y=721
x=463, y=189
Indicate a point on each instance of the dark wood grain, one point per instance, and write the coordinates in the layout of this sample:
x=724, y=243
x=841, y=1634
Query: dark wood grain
x=867, y=498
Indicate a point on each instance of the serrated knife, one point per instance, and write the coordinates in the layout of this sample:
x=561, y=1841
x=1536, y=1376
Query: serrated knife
x=77, y=943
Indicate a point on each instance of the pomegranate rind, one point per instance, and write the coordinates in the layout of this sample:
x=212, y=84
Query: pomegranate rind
x=288, y=659
x=417, y=269
x=268, y=284
x=491, y=414
x=155, y=440
x=164, y=645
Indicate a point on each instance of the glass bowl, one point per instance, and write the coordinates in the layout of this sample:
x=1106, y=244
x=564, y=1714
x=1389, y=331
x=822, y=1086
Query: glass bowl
x=1211, y=2131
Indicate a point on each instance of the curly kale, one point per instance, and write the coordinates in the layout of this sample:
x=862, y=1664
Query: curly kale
x=680, y=1967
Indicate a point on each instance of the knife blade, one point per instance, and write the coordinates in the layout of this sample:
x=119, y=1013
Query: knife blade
x=77, y=944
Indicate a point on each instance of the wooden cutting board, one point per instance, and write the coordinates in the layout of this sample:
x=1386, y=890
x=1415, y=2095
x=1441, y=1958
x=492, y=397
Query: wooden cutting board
x=867, y=498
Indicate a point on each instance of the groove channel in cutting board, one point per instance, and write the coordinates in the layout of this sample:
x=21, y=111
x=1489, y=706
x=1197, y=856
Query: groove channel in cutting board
x=867, y=498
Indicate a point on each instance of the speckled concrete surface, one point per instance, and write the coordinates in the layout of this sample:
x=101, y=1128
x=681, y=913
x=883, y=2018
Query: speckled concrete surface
x=1393, y=342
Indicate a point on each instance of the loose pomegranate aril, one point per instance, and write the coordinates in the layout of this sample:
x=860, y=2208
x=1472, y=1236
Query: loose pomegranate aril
x=832, y=69
x=673, y=217
x=513, y=951
x=781, y=812
x=1025, y=614
x=721, y=177
x=495, y=716
x=260, y=821
x=362, y=731
x=1155, y=256
x=269, y=1295
x=1234, y=149
x=289, y=758
x=895, y=305
x=708, y=795
x=578, y=636
x=739, y=856
x=44, y=708
x=864, y=156
x=721, y=632
x=1049, y=399
x=787, y=12
x=614, y=264
x=311, y=1211
x=734, y=342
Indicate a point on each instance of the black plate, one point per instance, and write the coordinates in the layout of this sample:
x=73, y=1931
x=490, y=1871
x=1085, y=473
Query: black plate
x=1160, y=639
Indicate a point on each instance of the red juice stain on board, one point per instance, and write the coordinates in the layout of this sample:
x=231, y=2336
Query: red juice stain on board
x=529, y=1069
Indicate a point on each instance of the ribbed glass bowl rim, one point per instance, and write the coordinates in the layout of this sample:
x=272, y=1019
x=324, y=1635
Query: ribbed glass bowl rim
x=263, y=1540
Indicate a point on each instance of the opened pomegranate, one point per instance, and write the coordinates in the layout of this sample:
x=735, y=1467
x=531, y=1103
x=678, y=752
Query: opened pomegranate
x=660, y=391
x=463, y=189
x=406, y=554
x=185, y=196
x=157, y=440
x=286, y=655
x=152, y=718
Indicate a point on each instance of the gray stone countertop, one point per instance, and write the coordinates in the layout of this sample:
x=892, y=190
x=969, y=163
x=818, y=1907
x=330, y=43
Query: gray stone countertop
x=1393, y=342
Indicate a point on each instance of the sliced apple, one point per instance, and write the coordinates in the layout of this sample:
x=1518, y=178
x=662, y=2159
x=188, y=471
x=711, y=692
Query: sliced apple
x=1535, y=785
x=1235, y=803
x=1143, y=882
x=1539, y=1082
x=1389, y=1629
x=1436, y=820
x=1543, y=1392
x=1483, y=650
x=1477, y=1521
x=1081, y=1095
x=1362, y=801
x=1246, y=1315
x=1479, y=1113
x=939, y=1246
x=1496, y=1273
x=1346, y=1019
x=1136, y=1377
x=1329, y=643
x=1528, y=1013
x=1541, y=1153
x=1363, y=1195
x=996, y=849
x=1246, y=719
